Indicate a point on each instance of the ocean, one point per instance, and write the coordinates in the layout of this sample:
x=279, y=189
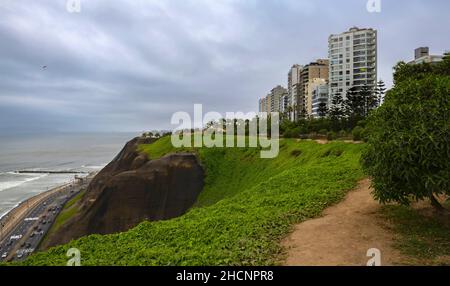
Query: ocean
x=80, y=152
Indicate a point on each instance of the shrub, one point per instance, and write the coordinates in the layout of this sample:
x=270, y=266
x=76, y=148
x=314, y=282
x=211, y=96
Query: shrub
x=342, y=134
x=323, y=132
x=408, y=150
x=331, y=135
x=358, y=133
x=292, y=133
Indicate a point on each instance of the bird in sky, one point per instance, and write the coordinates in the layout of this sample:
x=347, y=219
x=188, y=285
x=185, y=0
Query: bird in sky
x=44, y=67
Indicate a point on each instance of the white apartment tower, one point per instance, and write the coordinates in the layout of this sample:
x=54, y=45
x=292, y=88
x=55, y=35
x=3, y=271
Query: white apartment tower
x=353, y=60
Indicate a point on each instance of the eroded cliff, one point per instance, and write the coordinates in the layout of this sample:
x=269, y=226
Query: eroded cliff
x=132, y=189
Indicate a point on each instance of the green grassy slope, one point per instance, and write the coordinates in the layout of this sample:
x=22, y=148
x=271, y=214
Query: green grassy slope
x=247, y=206
x=69, y=210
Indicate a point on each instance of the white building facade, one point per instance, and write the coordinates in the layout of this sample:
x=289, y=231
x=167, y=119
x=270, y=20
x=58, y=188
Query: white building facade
x=319, y=96
x=353, y=60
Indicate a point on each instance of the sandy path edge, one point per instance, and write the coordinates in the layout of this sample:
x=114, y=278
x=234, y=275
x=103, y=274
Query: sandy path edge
x=343, y=235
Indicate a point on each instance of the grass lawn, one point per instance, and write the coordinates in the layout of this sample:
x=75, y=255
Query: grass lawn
x=66, y=213
x=247, y=206
x=423, y=239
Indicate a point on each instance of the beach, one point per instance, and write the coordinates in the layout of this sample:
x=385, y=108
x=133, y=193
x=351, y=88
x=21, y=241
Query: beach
x=52, y=160
x=13, y=217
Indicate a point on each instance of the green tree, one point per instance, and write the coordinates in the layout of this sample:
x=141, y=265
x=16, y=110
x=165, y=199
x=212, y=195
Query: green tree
x=336, y=111
x=403, y=71
x=380, y=92
x=354, y=103
x=408, y=151
x=322, y=110
x=369, y=98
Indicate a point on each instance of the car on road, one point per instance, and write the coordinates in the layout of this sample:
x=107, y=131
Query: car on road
x=4, y=255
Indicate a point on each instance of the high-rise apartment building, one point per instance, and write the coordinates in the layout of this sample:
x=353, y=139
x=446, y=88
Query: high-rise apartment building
x=263, y=104
x=319, y=97
x=277, y=95
x=274, y=101
x=318, y=70
x=353, y=60
x=300, y=89
x=294, y=89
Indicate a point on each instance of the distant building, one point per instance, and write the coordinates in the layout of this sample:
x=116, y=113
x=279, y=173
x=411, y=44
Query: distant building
x=319, y=96
x=285, y=103
x=422, y=55
x=263, y=104
x=353, y=60
x=317, y=71
x=274, y=101
x=421, y=52
x=294, y=89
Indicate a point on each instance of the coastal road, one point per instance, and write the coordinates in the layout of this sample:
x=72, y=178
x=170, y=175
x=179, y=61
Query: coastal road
x=29, y=229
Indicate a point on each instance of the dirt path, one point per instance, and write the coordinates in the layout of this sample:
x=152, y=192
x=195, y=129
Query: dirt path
x=342, y=235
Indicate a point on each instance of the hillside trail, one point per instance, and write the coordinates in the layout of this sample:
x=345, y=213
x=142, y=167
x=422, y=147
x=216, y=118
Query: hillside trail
x=343, y=235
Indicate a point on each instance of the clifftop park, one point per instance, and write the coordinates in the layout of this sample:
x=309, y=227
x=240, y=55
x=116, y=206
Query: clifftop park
x=312, y=205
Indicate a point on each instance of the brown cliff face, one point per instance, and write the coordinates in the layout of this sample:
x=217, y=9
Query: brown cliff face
x=132, y=189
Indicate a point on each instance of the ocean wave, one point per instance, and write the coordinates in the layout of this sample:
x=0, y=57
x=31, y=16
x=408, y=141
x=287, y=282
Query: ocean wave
x=7, y=210
x=16, y=181
x=99, y=167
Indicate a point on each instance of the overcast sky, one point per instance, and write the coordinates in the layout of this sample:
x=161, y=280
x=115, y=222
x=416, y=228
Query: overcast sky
x=128, y=65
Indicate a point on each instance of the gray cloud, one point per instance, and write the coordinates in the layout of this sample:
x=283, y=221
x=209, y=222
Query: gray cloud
x=128, y=65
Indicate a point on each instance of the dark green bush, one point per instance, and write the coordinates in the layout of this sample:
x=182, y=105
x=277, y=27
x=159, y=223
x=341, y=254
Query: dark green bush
x=292, y=133
x=408, y=150
x=331, y=135
x=323, y=132
x=358, y=133
x=342, y=133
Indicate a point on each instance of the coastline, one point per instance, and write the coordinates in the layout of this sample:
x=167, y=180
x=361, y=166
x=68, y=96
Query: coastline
x=11, y=218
